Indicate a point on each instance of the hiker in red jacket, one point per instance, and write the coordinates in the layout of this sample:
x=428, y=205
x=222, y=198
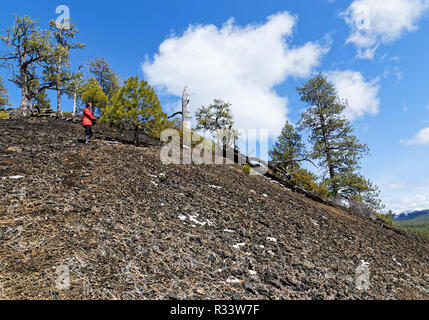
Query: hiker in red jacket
x=88, y=122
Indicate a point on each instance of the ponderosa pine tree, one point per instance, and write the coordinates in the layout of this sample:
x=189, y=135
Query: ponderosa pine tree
x=308, y=181
x=217, y=118
x=59, y=68
x=289, y=150
x=40, y=103
x=30, y=48
x=92, y=92
x=34, y=55
x=135, y=105
x=335, y=147
x=106, y=77
x=287, y=155
x=359, y=189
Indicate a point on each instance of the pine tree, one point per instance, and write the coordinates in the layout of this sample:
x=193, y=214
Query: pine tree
x=30, y=48
x=308, y=181
x=106, y=77
x=59, y=69
x=41, y=104
x=217, y=116
x=335, y=147
x=37, y=54
x=217, y=119
x=288, y=150
x=93, y=93
x=135, y=105
x=359, y=189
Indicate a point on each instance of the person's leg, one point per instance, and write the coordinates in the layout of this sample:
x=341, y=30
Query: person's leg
x=87, y=134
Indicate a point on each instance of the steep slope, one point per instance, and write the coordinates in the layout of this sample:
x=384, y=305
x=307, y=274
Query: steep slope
x=102, y=214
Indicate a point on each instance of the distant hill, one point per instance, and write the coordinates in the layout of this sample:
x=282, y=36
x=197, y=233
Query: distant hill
x=412, y=215
x=416, y=222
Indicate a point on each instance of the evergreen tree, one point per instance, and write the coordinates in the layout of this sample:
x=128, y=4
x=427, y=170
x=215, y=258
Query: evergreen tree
x=308, y=181
x=288, y=150
x=37, y=55
x=30, y=48
x=359, y=189
x=59, y=69
x=136, y=105
x=334, y=145
x=217, y=118
x=106, y=77
x=74, y=89
x=40, y=102
x=92, y=92
x=4, y=98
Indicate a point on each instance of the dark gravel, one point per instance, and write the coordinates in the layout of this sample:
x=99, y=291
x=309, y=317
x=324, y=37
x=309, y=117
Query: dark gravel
x=123, y=230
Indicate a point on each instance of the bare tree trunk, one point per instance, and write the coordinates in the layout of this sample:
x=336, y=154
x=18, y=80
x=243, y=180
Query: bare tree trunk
x=24, y=94
x=59, y=101
x=58, y=88
x=327, y=146
x=74, y=103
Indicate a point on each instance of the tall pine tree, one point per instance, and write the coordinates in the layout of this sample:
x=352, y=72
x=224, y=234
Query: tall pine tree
x=59, y=68
x=29, y=49
x=137, y=106
x=218, y=120
x=335, y=147
x=106, y=77
x=288, y=150
x=92, y=92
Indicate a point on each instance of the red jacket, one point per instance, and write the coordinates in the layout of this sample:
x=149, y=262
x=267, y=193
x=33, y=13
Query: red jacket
x=87, y=117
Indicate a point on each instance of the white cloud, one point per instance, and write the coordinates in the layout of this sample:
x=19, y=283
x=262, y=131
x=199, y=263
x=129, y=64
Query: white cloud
x=401, y=196
x=375, y=22
x=397, y=185
x=361, y=95
x=413, y=202
x=239, y=64
x=422, y=138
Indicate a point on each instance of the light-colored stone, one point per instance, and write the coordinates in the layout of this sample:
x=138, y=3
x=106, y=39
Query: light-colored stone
x=14, y=149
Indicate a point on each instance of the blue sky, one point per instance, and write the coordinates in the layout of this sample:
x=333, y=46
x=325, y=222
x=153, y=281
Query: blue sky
x=375, y=51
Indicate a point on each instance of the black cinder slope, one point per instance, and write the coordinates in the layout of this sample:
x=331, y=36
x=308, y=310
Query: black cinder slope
x=125, y=226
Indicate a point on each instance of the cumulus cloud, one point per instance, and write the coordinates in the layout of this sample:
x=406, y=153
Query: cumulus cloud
x=375, y=22
x=412, y=202
x=422, y=138
x=397, y=185
x=240, y=64
x=401, y=196
x=361, y=95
